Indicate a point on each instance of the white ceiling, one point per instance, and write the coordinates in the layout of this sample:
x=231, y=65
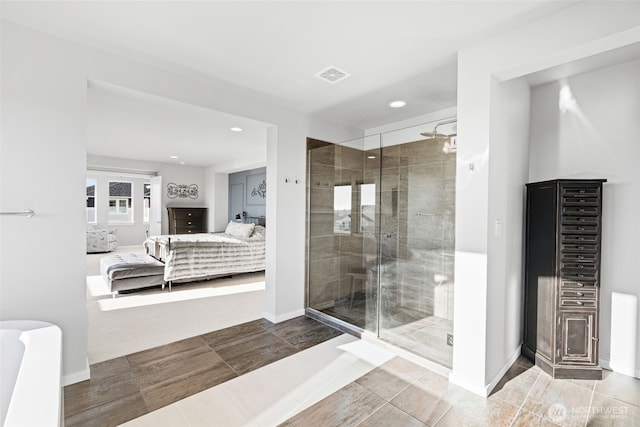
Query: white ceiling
x=134, y=125
x=392, y=49
x=615, y=56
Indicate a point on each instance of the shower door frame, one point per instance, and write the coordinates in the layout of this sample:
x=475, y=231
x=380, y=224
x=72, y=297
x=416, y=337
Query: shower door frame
x=340, y=324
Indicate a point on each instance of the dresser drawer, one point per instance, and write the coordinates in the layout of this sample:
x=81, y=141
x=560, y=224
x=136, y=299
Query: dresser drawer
x=579, y=210
x=580, y=248
x=580, y=229
x=579, y=238
x=195, y=222
x=579, y=294
x=580, y=201
x=586, y=267
x=188, y=214
x=579, y=276
x=572, y=302
x=581, y=284
x=583, y=220
x=580, y=191
x=579, y=257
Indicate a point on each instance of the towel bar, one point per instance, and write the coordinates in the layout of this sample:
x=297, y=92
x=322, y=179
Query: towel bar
x=27, y=212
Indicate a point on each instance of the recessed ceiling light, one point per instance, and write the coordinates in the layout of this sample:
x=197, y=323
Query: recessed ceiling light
x=236, y=129
x=173, y=157
x=397, y=104
x=183, y=163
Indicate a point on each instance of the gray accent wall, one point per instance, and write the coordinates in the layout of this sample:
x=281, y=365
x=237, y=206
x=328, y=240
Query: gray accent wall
x=238, y=188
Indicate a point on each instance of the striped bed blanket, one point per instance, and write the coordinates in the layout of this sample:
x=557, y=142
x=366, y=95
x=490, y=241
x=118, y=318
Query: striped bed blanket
x=191, y=257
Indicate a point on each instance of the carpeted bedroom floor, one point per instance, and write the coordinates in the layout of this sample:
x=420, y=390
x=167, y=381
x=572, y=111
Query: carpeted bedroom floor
x=138, y=321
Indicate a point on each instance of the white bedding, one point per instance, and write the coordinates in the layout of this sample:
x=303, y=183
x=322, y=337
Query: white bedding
x=190, y=257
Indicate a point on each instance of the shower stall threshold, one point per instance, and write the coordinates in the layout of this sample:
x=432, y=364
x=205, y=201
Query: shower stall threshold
x=407, y=354
x=335, y=323
x=373, y=338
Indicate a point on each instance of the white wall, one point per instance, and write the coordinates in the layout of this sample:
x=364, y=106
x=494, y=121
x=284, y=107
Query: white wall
x=170, y=173
x=483, y=351
x=217, y=199
x=506, y=213
x=43, y=167
x=44, y=85
x=599, y=137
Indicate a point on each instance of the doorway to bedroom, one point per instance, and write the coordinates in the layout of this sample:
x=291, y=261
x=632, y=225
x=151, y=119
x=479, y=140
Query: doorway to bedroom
x=381, y=231
x=151, y=148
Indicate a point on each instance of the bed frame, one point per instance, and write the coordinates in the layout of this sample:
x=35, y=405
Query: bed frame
x=205, y=256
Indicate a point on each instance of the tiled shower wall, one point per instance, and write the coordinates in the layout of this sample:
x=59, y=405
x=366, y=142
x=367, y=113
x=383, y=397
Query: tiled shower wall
x=333, y=255
x=418, y=228
x=415, y=206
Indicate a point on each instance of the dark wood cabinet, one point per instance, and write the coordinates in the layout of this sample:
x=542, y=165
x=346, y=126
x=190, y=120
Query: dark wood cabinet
x=187, y=220
x=562, y=277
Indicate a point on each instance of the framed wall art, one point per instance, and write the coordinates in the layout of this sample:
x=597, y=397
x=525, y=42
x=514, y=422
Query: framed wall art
x=182, y=191
x=256, y=189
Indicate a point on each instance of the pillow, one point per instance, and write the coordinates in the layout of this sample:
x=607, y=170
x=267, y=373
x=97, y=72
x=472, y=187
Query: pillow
x=259, y=232
x=231, y=227
x=240, y=230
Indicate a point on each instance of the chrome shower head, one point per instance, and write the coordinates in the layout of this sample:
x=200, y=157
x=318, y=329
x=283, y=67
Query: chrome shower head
x=434, y=135
x=437, y=135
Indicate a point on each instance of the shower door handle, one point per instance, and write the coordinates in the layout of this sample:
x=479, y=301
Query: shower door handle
x=387, y=236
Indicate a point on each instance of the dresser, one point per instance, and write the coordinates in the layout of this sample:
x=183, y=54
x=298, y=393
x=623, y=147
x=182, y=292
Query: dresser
x=562, y=277
x=184, y=220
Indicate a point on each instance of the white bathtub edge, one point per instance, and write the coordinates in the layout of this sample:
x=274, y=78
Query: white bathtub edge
x=37, y=395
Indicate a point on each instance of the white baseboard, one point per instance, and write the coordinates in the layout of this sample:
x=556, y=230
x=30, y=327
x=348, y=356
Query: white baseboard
x=76, y=377
x=494, y=382
x=485, y=390
x=473, y=388
x=282, y=317
x=624, y=370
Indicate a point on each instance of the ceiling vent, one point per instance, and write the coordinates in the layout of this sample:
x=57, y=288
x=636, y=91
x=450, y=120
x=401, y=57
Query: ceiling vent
x=332, y=75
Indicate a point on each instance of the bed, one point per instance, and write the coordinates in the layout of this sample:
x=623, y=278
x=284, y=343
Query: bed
x=202, y=256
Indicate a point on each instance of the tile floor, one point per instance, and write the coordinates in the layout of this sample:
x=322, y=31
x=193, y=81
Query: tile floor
x=400, y=393
x=127, y=387
x=247, y=377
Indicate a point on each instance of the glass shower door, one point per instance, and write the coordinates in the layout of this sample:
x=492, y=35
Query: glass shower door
x=381, y=227
x=417, y=206
x=342, y=254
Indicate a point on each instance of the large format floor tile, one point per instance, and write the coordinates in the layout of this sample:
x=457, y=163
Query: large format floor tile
x=127, y=387
x=619, y=387
x=303, y=373
x=526, y=396
x=348, y=406
x=551, y=398
x=270, y=395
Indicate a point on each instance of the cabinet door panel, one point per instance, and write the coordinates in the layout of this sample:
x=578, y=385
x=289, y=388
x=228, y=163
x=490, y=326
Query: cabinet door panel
x=577, y=337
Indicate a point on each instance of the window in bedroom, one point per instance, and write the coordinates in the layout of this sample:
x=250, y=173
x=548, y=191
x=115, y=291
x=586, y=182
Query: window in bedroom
x=147, y=201
x=120, y=202
x=91, y=201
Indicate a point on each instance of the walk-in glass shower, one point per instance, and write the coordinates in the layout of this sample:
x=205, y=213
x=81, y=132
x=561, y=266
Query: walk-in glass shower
x=380, y=235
